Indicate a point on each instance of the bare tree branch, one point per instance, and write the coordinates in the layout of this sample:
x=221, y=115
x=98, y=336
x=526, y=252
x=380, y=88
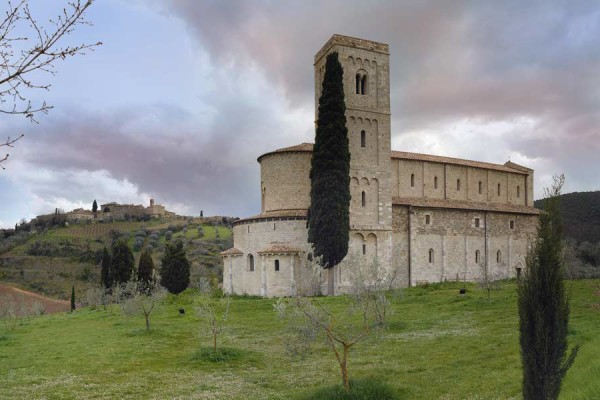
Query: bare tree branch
x=26, y=46
x=9, y=143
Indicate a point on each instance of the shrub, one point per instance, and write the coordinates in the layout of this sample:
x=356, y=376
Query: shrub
x=364, y=389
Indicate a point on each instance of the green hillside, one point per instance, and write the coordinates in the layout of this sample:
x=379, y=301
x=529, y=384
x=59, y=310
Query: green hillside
x=581, y=215
x=50, y=261
x=438, y=345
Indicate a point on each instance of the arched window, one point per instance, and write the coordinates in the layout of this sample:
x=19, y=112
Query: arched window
x=480, y=187
x=435, y=182
x=276, y=265
x=363, y=85
x=476, y=256
x=364, y=199
x=364, y=249
x=518, y=191
x=358, y=82
x=498, y=189
x=250, y=262
x=363, y=139
x=412, y=180
x=458, y=184
x=498, y=256
x=431, y=256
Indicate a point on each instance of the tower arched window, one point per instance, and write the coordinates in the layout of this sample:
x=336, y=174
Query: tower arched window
x=435, y=182
x=250, y=262
x=498, y=189
x=480, y=187
x=412, y=180
x=518, y=191
x=477, y=257
x=363, y=139
x=363, y=84
x=364, y=199
x=358, y=83
x=458, y=184
x=498, y=256
x=431, y=256
x=276, y=265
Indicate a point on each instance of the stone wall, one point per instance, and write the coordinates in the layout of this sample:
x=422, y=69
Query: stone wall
x=416, y=178
x=434, y=245
x=285, y=182
x=250, y=239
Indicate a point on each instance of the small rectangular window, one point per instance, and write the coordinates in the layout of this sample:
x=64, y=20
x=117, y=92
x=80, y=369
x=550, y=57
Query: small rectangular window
x=364, y=249
x=276, y=265
x=427, y=219
x=476, y=222
x=512, y=224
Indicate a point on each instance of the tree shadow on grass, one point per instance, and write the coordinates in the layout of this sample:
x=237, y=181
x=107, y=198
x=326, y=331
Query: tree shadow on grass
x=225, y=355
x=361, y=389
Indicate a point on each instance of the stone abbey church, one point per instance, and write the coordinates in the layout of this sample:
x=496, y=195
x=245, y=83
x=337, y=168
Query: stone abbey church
x=426, y=217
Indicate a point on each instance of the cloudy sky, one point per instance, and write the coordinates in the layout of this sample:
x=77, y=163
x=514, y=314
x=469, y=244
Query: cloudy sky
x=184, y=95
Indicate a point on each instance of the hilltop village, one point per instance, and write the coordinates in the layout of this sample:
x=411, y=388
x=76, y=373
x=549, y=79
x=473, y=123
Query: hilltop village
x=109, y=212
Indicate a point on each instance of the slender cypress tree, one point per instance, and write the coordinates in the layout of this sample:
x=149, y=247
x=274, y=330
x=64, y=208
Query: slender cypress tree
x=94, y=206
x=175, y=268
x=146, y=271
x=328, y=216
x=544, y=307
x=105, y=278
x=72, y=298
x=122, y=262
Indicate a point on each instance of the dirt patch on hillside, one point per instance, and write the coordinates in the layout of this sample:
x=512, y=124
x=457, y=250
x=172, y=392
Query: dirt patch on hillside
x=50, y=305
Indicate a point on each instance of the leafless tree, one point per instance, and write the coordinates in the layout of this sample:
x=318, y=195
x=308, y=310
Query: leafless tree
x=371, y=283
x=489, y=280
x=308, y=318
x=135, y=299
x=28, y=48
x=214, y=312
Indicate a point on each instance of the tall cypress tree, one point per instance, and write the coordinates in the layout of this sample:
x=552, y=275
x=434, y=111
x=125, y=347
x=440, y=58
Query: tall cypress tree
x=544, y=307
x=175, y=268
x=105, y=278
x=72, y=298
x=122, y=262
x=94, y=206
x=328, y=215
x=146, y=270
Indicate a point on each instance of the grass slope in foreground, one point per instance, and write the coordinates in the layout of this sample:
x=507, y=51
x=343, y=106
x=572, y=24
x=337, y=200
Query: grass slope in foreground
x=439, y=345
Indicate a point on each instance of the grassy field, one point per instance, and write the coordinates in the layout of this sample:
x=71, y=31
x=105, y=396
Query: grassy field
x=438, y=345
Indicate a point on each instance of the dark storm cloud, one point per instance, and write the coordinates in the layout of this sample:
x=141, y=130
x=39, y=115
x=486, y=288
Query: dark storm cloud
x=161, y=150
x=450, y=61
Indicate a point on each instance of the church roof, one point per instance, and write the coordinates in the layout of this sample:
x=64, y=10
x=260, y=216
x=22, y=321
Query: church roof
x=232, y=252
x=404, y=155
x=464, y=205
x=279, y=248
x=280, y=214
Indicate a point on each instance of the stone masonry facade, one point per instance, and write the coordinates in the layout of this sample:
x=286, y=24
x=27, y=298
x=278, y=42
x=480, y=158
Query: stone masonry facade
x=426, y=218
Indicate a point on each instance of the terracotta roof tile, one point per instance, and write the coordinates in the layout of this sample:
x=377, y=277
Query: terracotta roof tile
x=279, y=248
x=464, y=205
x=231, y=252
x=275, y=214
x=404, y=155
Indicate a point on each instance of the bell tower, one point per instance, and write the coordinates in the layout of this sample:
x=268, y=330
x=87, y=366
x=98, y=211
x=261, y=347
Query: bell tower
x=367, y=98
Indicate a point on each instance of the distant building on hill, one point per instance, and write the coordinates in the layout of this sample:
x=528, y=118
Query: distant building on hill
x=125, y=211
x=108, y=212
